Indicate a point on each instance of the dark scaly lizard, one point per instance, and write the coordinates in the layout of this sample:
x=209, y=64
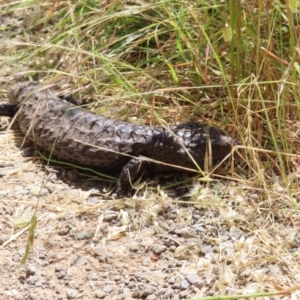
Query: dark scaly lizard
x=78, y=136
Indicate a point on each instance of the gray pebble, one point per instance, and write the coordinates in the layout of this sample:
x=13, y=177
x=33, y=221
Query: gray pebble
x=176, y=286
x=137, y=293
x=118, y=278
x=195, y=280
x=158, y=249
x=54, y=187
x=19, y=190
x=184, y=284
x=140, y=276
x=99, y=250
x=32, y=279
x=186, y=232
x=131, y=284
x=99, y=294
x=172, y=248
x=108, y=289
x=9, y=170
x=117, y=297
x=4, y=192
x=169, y=293
x=38, y=284
x=61, y=274
x=184, y=294
x=227, y=247
x=31, y=269
x=79, y=261
x=151, y=297
x=160, y=292
x=71, y=294
x=200, y=229
x=92, y=200
x=94, y=276
x=110, y=215
x=192, y=241
x=172, y=280
x=149, y=289
x=127, y=291
x=37, y=190
x=8, y=210
x=83, y=235
x=52, y=176
x=126, y=281
x=134, y=247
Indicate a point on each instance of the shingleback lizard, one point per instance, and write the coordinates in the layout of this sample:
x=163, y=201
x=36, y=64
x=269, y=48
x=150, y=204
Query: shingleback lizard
x=78, y=136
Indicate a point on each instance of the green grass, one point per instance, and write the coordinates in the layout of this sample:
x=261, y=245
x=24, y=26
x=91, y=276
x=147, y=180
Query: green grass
x=233, y=64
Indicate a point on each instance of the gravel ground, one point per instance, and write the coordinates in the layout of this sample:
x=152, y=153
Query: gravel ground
x=88, y=246
x=148, y=247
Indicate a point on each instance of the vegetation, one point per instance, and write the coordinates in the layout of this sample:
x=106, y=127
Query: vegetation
x=233, y=64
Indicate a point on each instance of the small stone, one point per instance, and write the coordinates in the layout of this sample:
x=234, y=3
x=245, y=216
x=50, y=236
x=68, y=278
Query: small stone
x=169, y=293
x=176, y=286
x=140, y=276
x=99, y=294
x=151, y=297
x=92, y=200
x=94, y=276
x=126, y=291
x=38, y=284
x=38, y=191
x=186, y=232
x=110, y=215
x=99, y=250
x=17, y=296
x=79, y=261
x=131, y=284
x=172, y=248
x=184, y=285
x=149, y=289
x=83, y=235
x=31, y=270
x=108, y=289
x=54, y=187
x=19, y=190
x=236, y=233
x=52, y=176
x=195, y=280
x=8, y=210
x=158, y=249
x=172, y=280
x=71, y=294
x=134, y=247
x=32, y=279
x=200, y=229
x=184, y=294
x=227, y=247
x=160, y=292
x=61, y=274
x=137, y=293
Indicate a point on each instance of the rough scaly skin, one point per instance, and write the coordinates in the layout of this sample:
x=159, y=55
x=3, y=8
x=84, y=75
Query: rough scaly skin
x=75, y=135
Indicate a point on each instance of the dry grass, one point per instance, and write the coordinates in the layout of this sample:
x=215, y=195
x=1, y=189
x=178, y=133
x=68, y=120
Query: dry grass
x=162, y=62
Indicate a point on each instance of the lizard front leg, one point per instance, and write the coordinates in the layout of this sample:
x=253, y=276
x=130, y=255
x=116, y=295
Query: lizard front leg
x=130, y=173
